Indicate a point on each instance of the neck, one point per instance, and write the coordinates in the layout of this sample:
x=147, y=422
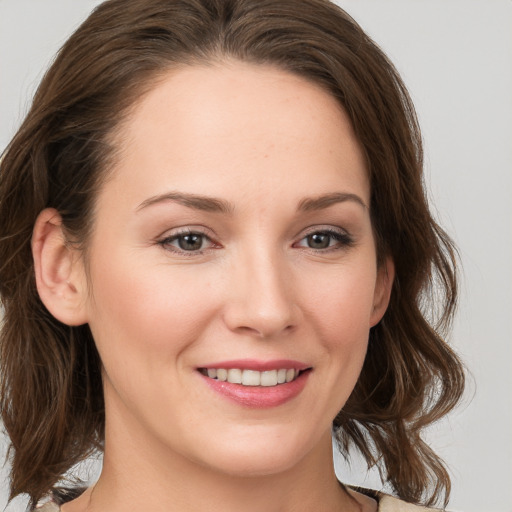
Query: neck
x=140, y=476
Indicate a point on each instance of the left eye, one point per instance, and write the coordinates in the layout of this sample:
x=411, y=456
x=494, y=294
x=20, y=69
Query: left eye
x=324, y=240
x=188, y=242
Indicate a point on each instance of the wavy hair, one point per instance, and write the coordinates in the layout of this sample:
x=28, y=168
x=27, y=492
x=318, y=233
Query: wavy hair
x=51, y=391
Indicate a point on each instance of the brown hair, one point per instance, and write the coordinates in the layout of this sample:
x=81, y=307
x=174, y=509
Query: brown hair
x=51, y=391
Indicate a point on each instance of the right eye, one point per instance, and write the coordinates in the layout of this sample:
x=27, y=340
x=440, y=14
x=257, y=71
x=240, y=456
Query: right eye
x=191, y=242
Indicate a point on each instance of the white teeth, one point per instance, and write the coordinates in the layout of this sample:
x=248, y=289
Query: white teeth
x=269, y=378
x=252, y=377
x=235, y=376
x=290, y=375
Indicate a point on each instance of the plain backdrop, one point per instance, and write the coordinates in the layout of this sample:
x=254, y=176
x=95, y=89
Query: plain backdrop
x=456, y=58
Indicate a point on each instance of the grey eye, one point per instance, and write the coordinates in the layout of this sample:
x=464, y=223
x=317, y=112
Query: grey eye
x=190, y=242
x=319, y=240
x=325, y=239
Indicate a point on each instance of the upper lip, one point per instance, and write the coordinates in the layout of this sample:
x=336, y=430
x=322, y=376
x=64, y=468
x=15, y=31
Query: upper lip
x=258, y=365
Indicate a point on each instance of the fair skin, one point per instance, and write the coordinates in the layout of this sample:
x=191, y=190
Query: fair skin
x=233, y=232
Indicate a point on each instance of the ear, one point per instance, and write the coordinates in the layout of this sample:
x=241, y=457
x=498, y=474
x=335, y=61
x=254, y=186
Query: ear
x=59, y=272
x=382, y=293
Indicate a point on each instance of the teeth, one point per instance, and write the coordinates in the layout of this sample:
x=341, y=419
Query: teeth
x=252, y=377
x=235, y=376
x=270, y=378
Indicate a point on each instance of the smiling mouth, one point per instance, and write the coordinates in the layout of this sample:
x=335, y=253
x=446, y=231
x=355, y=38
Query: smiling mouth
x=253, y=378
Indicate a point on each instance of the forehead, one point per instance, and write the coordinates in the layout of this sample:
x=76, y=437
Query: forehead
x=248, y=124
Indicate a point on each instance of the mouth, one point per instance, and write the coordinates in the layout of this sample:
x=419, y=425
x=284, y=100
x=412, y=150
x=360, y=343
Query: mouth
x=257, y=384
x=253, y=378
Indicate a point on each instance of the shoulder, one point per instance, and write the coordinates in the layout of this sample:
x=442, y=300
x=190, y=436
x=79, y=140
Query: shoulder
x=49, y=506
x=58, y=496
x=391, y=504
x=388, y=503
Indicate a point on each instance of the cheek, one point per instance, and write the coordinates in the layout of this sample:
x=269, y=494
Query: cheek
x=340, y=309
x=342, y=300
x=142, y=313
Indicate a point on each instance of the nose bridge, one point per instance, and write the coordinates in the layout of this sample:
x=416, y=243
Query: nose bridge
x=262, y=302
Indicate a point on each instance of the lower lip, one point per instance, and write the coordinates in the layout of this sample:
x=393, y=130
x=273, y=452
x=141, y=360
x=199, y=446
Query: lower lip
x=259, y=397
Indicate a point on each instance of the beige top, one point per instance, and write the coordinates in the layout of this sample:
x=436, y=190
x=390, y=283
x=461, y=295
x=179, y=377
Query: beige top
x=391, y=504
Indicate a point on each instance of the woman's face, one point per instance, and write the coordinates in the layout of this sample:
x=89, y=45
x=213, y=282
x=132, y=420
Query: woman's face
x=233, y=241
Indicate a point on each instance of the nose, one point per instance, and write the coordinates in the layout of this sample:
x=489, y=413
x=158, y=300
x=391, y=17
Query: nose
x=261, y=300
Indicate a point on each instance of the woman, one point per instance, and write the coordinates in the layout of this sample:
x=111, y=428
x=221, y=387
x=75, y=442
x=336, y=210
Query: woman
x=215, y=249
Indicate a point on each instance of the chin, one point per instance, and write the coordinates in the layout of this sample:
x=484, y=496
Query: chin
x=243, y=466
x=258, y=455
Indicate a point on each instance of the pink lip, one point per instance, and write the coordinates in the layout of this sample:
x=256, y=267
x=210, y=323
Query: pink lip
x=255, y=364
x=258, y=397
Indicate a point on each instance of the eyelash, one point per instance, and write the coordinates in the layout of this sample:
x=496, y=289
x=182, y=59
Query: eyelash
x=343, y=239
x=168, y=240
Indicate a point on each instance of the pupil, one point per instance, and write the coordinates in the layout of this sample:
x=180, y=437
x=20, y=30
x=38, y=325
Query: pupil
x=318, y=241
x=190, y=242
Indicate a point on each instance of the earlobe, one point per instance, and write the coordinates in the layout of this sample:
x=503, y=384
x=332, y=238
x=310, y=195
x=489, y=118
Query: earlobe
x=383, y=287
x=58, y=270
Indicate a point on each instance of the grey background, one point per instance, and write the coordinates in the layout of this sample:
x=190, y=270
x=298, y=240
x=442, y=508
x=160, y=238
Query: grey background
x=456, y=58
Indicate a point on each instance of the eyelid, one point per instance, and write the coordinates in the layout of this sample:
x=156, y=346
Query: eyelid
x=173, y=234
x=187, y=228
x=322, y=228
x=345, y=238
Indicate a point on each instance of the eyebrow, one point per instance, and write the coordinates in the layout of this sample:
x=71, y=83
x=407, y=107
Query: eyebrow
x=195, y=201
x=214, y=205
x=324, y=201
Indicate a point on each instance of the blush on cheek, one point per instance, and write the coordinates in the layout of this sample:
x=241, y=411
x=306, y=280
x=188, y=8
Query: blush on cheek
x=147, y=312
